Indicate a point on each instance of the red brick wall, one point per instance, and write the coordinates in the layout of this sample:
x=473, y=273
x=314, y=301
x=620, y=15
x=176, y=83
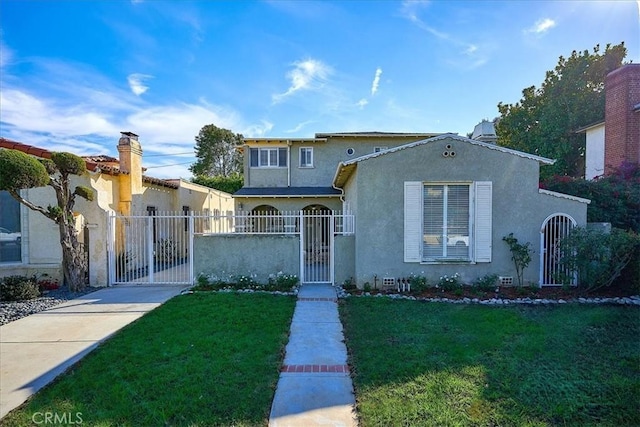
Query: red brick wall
x=622, y=124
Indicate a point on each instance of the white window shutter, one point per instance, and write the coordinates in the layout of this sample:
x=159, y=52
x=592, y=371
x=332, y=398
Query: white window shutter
x=482, y=221
x=412, y=220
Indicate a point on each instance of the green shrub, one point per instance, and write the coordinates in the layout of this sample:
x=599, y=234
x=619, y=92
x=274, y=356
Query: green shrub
x=596, y=256
x=69, y=163
x=418, y=284
x=229, y=184
x=486, y=283
x=349, y=284
x=19, y=288
x=614, y=198
x=520, y=255
x=19, y=170
x=450, y=283
x=282, y=282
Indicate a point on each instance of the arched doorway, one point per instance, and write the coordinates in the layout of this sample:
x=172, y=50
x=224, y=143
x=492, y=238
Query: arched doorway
x=555, y=228
x=266, y=219
x=317, y=244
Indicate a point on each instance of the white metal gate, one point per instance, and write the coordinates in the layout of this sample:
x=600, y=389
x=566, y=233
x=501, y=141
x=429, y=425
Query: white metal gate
x=317, y=233
x=554, y=229
x=156, y=248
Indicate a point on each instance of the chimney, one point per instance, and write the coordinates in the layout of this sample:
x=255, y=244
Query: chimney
x=485, y=132
x=622, y=118
x=130, y=154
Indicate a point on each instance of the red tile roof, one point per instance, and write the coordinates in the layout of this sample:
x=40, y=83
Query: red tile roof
x=99, y=164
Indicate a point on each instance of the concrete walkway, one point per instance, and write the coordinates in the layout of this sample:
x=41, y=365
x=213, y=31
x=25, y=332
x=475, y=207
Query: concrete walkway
x=37, y=348
x=315, y=388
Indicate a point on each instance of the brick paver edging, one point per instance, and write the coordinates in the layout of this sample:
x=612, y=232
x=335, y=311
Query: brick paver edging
x=315, y=368
x=318, y=299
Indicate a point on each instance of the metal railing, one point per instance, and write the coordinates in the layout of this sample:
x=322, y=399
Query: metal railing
x=269, y=222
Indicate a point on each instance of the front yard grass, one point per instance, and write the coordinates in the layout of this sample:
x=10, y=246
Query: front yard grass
x=198, y=360
x=437, y=364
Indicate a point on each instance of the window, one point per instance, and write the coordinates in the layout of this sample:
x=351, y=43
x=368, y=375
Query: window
x=447, y=222
x=268, y=157
x=10, y=231
x=379, y=149
x=306, y=157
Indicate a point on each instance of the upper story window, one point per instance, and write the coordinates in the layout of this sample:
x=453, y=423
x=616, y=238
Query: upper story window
x=268, y=157
x=306, y=157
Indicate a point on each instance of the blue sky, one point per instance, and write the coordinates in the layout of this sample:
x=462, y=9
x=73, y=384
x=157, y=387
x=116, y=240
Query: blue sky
x=73, y=74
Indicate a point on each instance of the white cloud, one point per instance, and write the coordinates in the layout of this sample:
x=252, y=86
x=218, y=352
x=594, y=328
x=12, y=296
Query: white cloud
x=136, y=83
x=541, y=26
x=476, y=57
x=299, y=126
x=409, y=9
x=362, y=103
x=6, y=54
x=176, y=124
x=306, y=75
x=257, y=130
x=376, y=81
x=25, y=111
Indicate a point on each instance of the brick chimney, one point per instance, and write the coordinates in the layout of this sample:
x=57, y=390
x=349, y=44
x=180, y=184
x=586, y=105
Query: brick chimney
x=622, y=117
x=130, y=154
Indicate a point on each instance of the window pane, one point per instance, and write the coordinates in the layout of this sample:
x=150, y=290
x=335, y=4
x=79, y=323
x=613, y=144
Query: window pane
x=458, y=221
x=10, y=233
x=282, y=154
x=306, y=157
x=254, y=157
x=433, y=221
x=273, y=157
x=264, y=157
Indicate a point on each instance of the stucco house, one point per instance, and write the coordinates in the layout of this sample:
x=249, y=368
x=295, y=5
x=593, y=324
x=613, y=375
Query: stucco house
x=121, y=188
x=422, y=204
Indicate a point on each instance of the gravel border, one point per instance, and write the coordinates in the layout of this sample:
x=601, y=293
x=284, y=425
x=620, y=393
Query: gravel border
x=632, y=300
x=14, y=310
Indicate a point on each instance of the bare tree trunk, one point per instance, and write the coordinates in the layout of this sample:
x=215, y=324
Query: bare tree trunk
x=74, y=264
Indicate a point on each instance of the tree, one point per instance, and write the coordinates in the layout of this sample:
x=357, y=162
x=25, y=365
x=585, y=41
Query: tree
x=20, y=171
x=545, y=120
x=217, y=152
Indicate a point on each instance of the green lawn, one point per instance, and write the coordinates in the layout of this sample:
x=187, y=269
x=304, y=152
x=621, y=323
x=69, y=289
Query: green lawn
x=432, y=364
x=198, y=360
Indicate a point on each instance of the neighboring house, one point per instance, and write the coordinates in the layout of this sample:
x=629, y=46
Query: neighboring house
x=424, y=204
x=120, y=187
x=616, y=140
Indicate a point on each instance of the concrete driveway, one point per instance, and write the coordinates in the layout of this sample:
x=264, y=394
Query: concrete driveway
x=36, y=349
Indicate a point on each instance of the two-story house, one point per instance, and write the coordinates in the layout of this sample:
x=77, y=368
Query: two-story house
x=424, y=204
x=297, y=174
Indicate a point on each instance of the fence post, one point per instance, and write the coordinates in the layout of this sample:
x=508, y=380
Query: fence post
x=150, y=248
x=190, y=255
x=111, y=236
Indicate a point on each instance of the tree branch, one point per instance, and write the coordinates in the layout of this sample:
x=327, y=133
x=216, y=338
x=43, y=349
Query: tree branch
x=32, y=206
